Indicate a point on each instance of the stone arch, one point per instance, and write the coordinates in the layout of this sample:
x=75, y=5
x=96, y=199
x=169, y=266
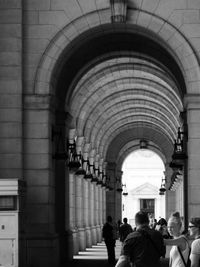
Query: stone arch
x=189, y=65
x=130, y=147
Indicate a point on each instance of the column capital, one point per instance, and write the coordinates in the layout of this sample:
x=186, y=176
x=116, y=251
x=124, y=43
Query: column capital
x=72, y=134
x=87, y=147
x=80, y=144
x=192, y=101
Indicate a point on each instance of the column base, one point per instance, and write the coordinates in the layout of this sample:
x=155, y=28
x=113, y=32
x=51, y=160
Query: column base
x=94, y=235
x=82, y=239
x=98, y=233
x=75, y=241
x=88, y=237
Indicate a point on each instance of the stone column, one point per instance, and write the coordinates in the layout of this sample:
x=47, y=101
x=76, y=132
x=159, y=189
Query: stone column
x=80, y=199
x=86, y=188
x=90, y=214
x=192, y=103
x=79, y=212
x=72, y=213
x=87, y=199
x=97, y=177
x=93, y=207
x=72, y=202
x=42, y=234
x=104, y=204
x=111, y=195
x=100, y=212
x=118, y=199
x=170, y=195
x=93, y=199
x=98, y=187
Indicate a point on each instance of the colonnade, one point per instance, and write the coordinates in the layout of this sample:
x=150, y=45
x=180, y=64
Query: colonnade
x=87, y=201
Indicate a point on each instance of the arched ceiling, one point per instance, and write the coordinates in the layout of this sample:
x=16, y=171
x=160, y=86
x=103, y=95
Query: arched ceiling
x=129, y=97
x=120, y=86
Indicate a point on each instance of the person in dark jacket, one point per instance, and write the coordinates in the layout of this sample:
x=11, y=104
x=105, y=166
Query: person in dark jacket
x=109, y=238
x=144, y=247
x=124, y=230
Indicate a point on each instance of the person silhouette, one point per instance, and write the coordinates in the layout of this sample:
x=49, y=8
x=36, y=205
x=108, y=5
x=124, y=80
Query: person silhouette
x=109, y=238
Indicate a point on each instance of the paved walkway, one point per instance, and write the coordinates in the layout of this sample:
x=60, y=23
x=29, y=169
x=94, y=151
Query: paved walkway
x=97, y=257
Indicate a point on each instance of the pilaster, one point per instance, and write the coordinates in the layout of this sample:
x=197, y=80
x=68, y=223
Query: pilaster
x=192, y=103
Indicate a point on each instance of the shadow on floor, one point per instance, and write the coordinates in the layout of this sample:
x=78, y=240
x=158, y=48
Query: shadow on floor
x=89, y=263
x=101, y=263
x=96, y=256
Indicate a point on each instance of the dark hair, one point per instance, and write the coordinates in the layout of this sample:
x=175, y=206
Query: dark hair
x=109, y=219
x=195, y=221
x=141, y=217
x=125, y=220
x=162, y=221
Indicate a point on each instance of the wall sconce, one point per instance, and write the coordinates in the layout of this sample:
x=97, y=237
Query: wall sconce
x=73, y=158
x=80, y=170
x=179, y=155
x=118, y=11
x=100, y=180
x=125, y=193
x=94, y=177
x=65, y=150
x=104, y=180
x=162, y=189
x=88, y=174
x=119, y=185
x=143, y=144
x=60, y=145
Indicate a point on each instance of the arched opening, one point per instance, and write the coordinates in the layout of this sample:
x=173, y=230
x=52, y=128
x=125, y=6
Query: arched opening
x=143, y=174
x=112, y=90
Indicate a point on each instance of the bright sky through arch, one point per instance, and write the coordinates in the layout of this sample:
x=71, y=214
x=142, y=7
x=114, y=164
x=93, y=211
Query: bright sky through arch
x=142, y=166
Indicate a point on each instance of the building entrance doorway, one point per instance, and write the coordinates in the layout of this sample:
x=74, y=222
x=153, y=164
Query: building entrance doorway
x=148, y=205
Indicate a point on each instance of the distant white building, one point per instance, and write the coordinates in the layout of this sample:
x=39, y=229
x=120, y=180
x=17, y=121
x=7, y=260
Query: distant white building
x=144, y=197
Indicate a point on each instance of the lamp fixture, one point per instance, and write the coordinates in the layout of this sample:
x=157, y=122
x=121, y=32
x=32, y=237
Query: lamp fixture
x=162, y=189
x=125, y=192
x=119, y=185
x=80, y=170
x=74, y=159
x=179, y=155
x=118, y=11
x=88, y=173
x=57, y=137
x=143, y=144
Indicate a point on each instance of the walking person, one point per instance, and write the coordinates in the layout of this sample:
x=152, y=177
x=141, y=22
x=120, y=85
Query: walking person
x=180, y=250
x=109, y=238
x=194, y=231
x=124, y=230
x=143, y=247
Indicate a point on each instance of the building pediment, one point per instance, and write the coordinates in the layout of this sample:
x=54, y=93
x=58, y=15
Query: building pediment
x=145, y=189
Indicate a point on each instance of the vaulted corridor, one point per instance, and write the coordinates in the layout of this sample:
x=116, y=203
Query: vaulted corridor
x=83, y=84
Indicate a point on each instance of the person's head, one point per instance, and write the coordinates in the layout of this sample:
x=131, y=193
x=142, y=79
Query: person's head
x=194, y=226
x=109, y=219
x=174, y=224
x=141, y=218
x=162, y=222
x=125, y=220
